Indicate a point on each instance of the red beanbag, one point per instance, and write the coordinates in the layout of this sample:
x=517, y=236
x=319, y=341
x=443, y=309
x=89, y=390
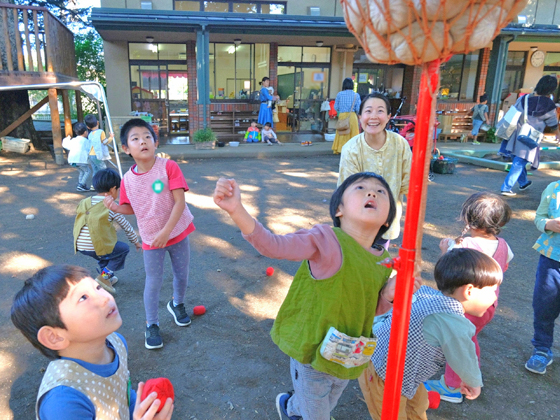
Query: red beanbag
x=162, y=386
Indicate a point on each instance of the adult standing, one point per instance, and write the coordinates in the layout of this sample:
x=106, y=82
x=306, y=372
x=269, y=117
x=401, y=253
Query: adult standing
x=380, y=151
x=265, y=111
x=541, y=113
x=346, y=104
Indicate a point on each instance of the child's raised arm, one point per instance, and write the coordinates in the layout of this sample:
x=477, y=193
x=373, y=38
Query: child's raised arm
x=227, y=196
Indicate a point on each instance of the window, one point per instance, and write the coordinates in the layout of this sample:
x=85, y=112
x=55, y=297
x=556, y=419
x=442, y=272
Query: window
x=224, y=6
x=304, y=54
x=459, y=77
x=515, y=72
x=552, y=68
x=154, y=51
x=235, y=70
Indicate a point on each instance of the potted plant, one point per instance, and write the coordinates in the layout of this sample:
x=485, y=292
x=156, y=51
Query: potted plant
x=204, y=139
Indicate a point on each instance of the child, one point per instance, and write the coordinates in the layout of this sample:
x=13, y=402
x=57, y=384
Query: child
x=94, y=233
x=78, y=148
x=340, y=278
x=381, y=151
x=269, y=136
x=65, y=314
x=546, y=295
x=99, y=152
x=467, y=280
x=154, y=190
x=252, y=135
x=484, y=214
x=479, y=116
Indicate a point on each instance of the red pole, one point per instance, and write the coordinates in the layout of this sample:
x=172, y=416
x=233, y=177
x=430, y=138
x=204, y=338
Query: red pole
x=405, y=262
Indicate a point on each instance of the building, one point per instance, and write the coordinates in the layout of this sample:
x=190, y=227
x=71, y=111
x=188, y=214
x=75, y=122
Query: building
x=195, y=63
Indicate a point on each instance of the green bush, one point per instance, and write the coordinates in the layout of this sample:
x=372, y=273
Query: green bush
x=204, y=135
x=491, y=135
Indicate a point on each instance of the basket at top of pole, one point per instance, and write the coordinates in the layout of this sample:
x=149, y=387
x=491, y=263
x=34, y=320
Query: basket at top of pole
x=418, y=31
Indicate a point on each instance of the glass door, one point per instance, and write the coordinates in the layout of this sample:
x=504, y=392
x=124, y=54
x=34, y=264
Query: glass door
x=302, y=88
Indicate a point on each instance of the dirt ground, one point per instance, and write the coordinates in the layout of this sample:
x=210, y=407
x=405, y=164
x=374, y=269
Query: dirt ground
x=225, y=366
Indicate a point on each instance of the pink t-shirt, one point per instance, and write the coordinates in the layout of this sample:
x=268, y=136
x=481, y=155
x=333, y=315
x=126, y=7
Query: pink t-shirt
x=153, y=209
x=319, y=245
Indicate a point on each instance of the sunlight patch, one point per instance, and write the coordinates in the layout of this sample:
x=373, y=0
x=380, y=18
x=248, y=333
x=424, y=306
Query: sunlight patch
x=20, y=262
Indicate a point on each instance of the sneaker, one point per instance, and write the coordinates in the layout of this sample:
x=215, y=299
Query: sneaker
x=508, y=193
x=452, y=395
x=105, y=282
x=179, y=314
x=92, y=188
x=475, y=142
x=282, y=406
x=539, y=361
x=152, y=338
x=527, y=185
x=81, y=188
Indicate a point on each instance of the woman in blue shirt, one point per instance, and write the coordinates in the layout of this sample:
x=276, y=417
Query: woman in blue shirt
x=347, y=105
x=265, y=111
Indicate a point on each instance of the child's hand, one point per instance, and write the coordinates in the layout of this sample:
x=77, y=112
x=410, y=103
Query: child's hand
x=146, y=410
x=138, y=246
x=444, y=245
x=553, y=225
x=471, y=392
x=108, y=201
x=388, y=292
x=227, y=195
x=161, y=239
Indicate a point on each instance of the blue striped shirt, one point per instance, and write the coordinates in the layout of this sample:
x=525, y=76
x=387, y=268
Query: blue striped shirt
x=343, y=101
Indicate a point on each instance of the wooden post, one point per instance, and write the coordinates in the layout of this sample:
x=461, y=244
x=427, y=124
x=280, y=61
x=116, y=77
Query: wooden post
x=67, y=116
x=57, y=133
x=49, y=47
x=37, y=41
x=30, y=66
x=7, y=38
x=79, y=108
x=18, y=40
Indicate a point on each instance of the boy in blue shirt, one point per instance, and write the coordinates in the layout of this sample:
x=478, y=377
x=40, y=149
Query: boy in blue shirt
x=99, y=151
x=72, y=320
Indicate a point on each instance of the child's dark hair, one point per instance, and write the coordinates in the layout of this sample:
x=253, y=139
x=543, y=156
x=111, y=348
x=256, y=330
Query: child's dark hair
x=91, y=121
x=80, y=128
x=135, y=122
x=105, y=179
x=36, y=305
x=483, y=97
x=462, y=266
x=378, y=96
x=336, y=199
x=253, y=120
x=267, y=124
x=484, y=211
x=264, y=79
x=546, y=85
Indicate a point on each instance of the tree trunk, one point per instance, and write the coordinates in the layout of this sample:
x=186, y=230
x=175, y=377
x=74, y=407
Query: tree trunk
x=13, y=104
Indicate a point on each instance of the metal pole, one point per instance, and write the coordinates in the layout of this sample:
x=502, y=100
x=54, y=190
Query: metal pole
x=412, y=237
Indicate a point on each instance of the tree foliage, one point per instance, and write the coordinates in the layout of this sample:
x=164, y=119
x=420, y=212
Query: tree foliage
x=65, y=10
x=90, y=63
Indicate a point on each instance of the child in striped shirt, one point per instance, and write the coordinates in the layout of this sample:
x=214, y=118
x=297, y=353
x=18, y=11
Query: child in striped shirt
x=94, y=233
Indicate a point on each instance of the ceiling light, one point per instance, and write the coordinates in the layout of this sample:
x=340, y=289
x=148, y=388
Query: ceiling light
x=150, y=39
x=319, y=43
x=237, y=41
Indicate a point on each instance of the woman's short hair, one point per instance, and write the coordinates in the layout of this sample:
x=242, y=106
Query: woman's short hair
x=348, y=84
x=546, y=86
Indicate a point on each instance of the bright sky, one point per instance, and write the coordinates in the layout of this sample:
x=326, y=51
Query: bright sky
x=88, y=3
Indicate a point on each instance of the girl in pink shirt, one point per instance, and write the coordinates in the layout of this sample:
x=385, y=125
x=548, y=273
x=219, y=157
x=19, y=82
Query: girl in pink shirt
x=154, y=190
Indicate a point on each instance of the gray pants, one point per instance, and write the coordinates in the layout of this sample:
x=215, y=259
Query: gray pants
x=84, y=170
x=315, y=393
x=153, y=264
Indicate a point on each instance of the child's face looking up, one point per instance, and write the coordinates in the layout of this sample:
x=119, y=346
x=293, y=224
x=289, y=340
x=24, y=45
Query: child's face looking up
x=365, y=202
x=141, y=144
x=88, y=312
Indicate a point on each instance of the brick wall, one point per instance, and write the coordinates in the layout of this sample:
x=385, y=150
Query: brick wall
x=484, y=61
x=273, y=70
x=411, y=88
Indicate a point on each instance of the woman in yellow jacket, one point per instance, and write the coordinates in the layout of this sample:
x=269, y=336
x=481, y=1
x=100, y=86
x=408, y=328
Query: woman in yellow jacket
x=346, y=104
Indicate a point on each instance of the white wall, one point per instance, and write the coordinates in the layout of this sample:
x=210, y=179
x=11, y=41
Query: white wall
x=118, y=78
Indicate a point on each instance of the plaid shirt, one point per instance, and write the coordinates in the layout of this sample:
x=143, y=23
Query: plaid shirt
x=343, y=102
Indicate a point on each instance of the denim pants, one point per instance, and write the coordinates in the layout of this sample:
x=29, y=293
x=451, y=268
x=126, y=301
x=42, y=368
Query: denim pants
x=503, y=148
x=517, y=173
x=315, y=393
x=96, y=164
x=113, y=261
x=546, y=302
x=476, y=124
x=84, y=170
x=153, y=264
